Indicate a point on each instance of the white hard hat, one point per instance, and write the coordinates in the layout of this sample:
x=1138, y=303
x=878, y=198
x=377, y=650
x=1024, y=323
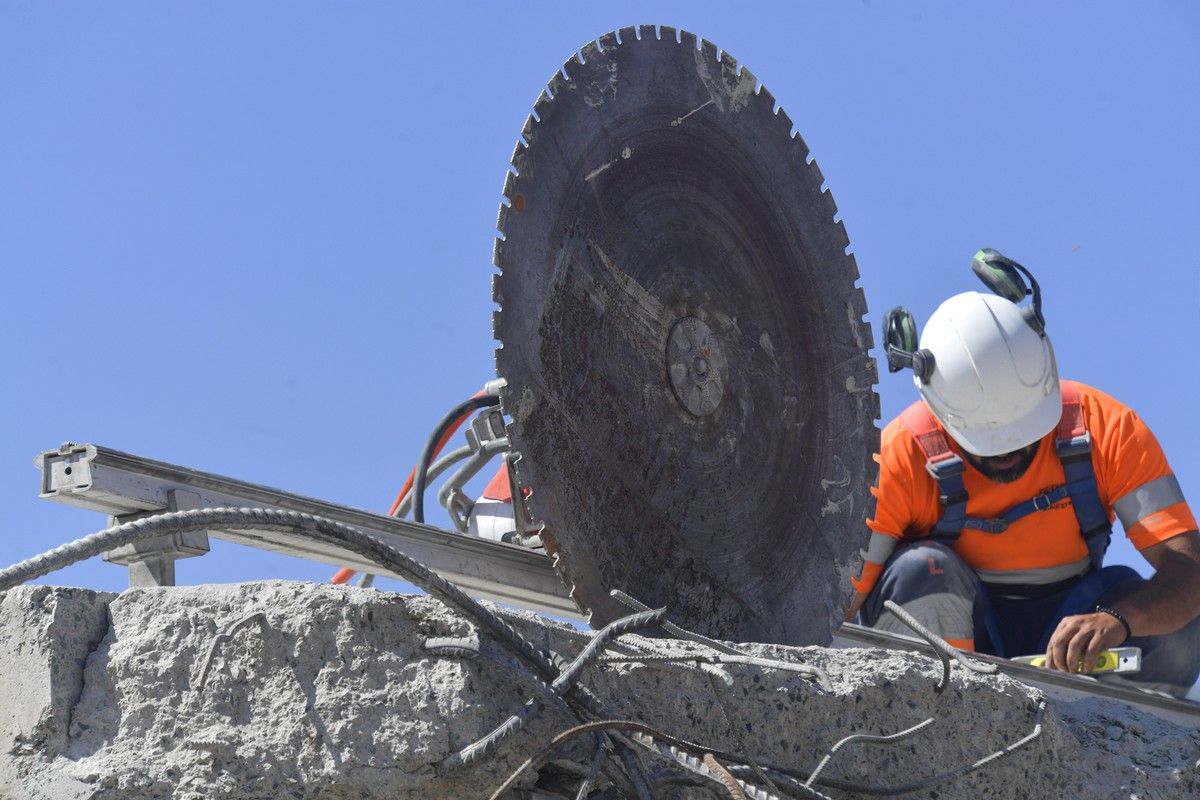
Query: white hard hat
x=995, y=384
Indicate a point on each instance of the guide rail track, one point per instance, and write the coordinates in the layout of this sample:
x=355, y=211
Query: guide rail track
x=127, y=486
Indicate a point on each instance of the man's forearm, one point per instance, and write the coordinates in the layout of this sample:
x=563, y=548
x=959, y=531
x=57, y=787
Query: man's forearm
x=1163, y=604
x=1168, y=600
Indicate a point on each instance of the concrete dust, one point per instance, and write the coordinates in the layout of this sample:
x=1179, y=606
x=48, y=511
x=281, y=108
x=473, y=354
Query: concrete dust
x=278, y=689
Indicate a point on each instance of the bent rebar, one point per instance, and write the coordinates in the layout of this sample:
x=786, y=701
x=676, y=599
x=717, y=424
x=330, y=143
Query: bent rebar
x=865, y=738
x=559, y=687
x=816, y=673
x=938, y=643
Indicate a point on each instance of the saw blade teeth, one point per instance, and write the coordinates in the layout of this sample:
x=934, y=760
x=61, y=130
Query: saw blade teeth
x=646, y=32
x=572, y=591
x=668, y=33
x=541, y=107
x=729, y=62
x=553, y=87
x=764, y=95
x=562, y=76
x=509, y=180
x=843, y=237
x=497, y=290
x=858, y=299
x=687, y=39
x=784, y=119
x=527, y=136
x=612, y=39
x=801, y=147
x=817, y=176
x=831, y=210
x=709, y=50
x=591, y=51
x=852, y=269
x=502, y=220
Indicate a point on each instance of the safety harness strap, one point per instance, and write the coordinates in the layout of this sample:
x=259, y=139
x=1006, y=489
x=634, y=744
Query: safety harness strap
x=1000, y=524
x=1074, y=447
x=944, y=465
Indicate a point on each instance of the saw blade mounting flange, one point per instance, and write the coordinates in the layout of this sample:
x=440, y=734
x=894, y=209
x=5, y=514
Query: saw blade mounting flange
x=682, y=337
x=695, y=366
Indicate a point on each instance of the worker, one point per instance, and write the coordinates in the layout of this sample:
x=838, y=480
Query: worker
x=998, y=489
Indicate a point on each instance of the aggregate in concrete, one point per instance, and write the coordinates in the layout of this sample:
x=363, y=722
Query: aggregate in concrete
x=292, y=690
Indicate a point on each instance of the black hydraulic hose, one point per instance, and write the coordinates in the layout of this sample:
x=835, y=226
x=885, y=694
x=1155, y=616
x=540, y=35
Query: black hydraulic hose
x=419, y=480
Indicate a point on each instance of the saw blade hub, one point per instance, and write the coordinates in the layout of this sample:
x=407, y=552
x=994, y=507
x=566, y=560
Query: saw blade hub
x=696, y=366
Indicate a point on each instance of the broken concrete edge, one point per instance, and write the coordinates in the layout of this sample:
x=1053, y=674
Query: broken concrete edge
x=316, y=690
x=44, y=676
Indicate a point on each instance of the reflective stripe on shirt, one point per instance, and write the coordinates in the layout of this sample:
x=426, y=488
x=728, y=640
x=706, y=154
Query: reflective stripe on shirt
x=1037, y=576
x=1149, y=498
x=881, y=548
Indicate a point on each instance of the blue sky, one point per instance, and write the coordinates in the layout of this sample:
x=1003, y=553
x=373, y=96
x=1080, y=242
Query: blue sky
x=255, y=238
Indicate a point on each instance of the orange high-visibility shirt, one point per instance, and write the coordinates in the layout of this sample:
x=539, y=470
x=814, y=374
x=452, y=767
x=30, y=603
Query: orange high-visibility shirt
x=1134, y=479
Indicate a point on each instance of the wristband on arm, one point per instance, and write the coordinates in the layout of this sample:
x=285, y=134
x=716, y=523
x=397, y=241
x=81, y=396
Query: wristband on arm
x=1112, y=612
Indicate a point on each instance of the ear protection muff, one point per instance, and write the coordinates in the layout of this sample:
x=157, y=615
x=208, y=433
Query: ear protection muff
x=900, y=343
x=1000, y=274
x=1003, y=276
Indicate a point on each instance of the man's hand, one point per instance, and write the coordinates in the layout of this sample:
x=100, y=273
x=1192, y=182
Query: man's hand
x=1078, y=640
x=1165, y=603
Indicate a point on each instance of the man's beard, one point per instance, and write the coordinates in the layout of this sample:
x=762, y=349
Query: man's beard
x=997, y=469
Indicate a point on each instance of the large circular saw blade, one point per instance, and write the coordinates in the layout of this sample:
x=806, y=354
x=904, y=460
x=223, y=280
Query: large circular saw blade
x=684, y=347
